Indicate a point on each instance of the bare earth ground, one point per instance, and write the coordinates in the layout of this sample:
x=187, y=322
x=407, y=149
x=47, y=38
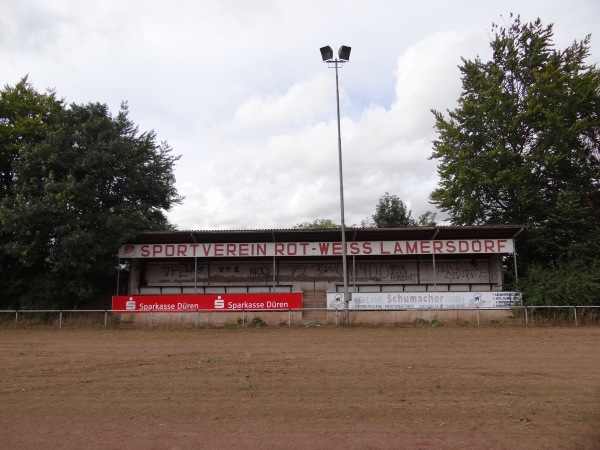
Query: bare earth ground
x=354, y=388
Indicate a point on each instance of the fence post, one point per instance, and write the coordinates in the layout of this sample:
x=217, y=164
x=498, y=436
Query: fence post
x=16, y=318
x=429, y=315
x=526, y=319
x=60, y=320
x=478, y=316
x=575, y=311
x=289, y=318
x=196, y=317
x=105, y=318
x=150, y=318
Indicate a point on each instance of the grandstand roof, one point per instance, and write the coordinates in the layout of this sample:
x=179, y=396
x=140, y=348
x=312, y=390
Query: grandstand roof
x=330, y=234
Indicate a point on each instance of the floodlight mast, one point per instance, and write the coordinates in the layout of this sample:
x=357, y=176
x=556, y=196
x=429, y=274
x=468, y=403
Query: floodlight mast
x=343, y=57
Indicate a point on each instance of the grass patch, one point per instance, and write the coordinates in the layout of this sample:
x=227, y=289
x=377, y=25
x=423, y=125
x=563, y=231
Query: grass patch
x=248, y=384
x=429, y=323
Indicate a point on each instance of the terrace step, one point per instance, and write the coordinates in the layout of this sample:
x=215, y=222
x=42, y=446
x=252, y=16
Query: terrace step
x=314, y=299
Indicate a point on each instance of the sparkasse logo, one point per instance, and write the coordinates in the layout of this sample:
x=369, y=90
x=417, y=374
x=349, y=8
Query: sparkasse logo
x=219, y=303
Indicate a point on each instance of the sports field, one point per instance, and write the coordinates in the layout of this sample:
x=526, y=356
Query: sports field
x=448, y=387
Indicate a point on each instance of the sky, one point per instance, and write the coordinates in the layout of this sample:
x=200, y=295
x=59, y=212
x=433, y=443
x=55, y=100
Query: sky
x=238, y=89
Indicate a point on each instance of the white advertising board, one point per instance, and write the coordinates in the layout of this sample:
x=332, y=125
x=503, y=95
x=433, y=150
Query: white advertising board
x=424, y=300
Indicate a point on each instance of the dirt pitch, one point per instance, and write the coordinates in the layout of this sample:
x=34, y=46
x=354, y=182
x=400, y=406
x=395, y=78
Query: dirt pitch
x=302, y=388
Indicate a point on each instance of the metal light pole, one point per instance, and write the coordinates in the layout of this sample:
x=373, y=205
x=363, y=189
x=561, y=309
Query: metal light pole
x=336, y=63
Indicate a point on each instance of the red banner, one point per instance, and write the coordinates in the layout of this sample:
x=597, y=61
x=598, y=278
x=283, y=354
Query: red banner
x=207, y=302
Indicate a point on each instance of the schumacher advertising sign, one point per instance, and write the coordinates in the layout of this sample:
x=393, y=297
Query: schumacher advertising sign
x=425, y=300
x=375, y=248
x=207, y=302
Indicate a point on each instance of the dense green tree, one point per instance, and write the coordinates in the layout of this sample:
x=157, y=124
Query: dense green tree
x=79, y=185
x=522, y=145
x=427, y=219
x=317, y=224
x=25, y=117
x=574, y=282
x=391, y=212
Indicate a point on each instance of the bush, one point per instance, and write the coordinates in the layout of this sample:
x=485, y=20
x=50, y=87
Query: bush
x=257, y=322
x=575, y=283
x=430, y=323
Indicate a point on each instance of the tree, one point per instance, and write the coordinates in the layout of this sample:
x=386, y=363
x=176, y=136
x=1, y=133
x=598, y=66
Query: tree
x=82, y=185
x=574, y=282
x=522, y=146
x=25, y=117
x=317, y=224
x=427, y=219
x=391, y=212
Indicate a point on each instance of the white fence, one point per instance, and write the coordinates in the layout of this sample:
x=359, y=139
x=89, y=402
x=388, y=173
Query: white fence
x=577, y=315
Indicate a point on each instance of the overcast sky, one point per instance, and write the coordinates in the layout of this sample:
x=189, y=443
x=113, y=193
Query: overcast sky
x=238, y=89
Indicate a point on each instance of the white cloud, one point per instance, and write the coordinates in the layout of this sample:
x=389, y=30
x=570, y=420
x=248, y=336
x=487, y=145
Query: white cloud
x=300, y=104
x=239, y=90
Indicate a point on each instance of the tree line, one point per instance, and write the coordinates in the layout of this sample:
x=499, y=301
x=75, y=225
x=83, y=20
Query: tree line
x=521, y=147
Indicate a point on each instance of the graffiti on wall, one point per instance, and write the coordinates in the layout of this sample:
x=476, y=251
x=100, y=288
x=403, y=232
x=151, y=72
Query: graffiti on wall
x=412, y=272
x=454, y=272
x=174, y=273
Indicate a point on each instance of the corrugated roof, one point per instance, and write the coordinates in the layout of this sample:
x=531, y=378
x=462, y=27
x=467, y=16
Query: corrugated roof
x=330, y=235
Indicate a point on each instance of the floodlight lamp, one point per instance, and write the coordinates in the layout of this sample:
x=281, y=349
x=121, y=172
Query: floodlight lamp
x=344, y=53
x=327, y=53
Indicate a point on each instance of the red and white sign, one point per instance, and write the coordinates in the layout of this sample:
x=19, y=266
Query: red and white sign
x=207, y=302
x=374, y=248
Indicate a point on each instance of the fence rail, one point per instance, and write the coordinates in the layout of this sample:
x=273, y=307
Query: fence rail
x=110, y=317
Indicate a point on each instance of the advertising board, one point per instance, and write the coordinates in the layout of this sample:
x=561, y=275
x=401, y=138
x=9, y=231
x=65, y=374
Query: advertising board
x=425, y=300
x=207, y=302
